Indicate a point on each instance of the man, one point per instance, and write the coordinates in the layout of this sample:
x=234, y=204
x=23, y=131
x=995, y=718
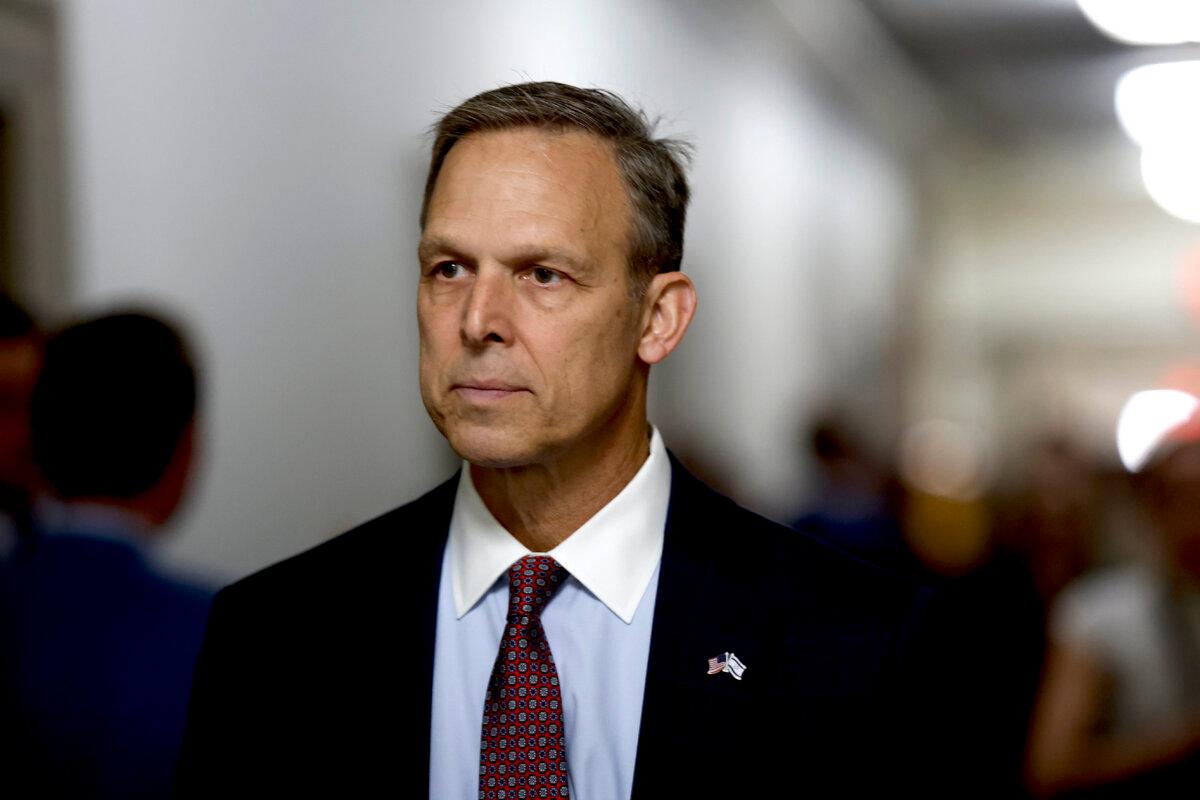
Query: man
x=686, y=645
x=96, y=644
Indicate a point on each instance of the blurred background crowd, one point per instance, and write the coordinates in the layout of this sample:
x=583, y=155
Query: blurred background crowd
x=949, y=273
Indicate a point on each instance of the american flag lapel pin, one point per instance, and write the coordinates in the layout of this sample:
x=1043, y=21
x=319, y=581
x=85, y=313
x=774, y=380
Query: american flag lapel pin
x=726, y=662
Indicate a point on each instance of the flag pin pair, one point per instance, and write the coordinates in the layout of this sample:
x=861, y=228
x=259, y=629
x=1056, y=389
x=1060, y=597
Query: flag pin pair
x=726, y=662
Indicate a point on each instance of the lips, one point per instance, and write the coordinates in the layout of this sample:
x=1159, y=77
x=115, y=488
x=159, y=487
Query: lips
x=487, y=386
x=486, y=391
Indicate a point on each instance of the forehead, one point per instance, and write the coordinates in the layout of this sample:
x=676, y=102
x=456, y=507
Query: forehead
x=531, y=183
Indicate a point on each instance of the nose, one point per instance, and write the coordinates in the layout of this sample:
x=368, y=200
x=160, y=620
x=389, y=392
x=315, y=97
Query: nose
x=487, y=314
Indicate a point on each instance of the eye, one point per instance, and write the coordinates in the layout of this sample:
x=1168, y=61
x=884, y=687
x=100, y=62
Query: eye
x=449, y=270
x=544, y=276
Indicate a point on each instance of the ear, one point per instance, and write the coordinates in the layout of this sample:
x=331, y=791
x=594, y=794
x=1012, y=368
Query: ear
x=667, y=309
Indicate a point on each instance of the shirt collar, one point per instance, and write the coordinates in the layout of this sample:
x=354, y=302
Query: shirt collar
x=613, y=554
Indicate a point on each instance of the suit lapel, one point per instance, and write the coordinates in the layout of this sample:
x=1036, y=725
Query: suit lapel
x=395, y=640
x=685, y=710
x=434, y=518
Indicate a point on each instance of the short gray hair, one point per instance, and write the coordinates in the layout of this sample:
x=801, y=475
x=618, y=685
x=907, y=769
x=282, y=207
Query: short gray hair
x=652, y=169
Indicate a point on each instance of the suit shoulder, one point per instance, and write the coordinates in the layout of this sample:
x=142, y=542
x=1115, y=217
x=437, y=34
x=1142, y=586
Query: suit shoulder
x=410, y=531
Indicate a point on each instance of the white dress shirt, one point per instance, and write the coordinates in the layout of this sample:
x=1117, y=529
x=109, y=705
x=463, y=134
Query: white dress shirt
x=597, y=625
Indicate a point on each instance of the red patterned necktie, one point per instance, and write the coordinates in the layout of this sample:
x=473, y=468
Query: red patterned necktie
x=523, y=751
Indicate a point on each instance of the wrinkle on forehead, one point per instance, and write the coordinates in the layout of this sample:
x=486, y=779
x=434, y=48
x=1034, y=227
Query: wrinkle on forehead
x=541, y=184
x=580, y=164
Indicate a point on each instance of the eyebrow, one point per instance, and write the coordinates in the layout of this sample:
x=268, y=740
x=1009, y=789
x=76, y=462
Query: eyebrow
x=435, y=245
x=548, y=255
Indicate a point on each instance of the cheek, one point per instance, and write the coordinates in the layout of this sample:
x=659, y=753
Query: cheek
x=615, y=341
x=433, y=362
x=601, y=359
x=437, y=330
x=580, y=359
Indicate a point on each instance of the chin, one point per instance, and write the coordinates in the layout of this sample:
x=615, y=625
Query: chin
x=491, y=448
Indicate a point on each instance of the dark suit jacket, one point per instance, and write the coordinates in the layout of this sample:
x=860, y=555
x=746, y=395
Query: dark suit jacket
x=316, y=673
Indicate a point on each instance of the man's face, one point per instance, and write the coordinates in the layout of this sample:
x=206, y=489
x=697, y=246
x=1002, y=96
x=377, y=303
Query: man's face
x=528, y=334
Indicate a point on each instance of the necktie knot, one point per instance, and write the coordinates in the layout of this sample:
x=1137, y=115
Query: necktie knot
x=532, y=581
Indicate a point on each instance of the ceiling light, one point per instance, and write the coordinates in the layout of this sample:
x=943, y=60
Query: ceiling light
x=1157, y=107
x=1145, y=21
x=1158, y=102
x=1147, y=419
x=1172, y=177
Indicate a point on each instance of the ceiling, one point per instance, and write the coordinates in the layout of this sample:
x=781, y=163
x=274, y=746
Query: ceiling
x=1011, y=71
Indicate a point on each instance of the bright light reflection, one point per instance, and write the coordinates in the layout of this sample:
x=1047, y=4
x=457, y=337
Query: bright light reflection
x=1147, y=418
x=1157, y=106
x=1145, y=21
x=1172, y=177
x=1157, y=103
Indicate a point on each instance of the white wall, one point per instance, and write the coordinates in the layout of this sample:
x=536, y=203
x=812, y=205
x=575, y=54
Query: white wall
x=257, y=167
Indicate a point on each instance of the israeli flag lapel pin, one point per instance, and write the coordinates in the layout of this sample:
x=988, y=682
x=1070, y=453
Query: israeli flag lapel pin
x=726, y=662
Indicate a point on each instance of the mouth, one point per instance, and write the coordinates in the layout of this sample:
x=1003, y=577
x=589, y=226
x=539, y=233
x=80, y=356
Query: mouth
x=486, y=391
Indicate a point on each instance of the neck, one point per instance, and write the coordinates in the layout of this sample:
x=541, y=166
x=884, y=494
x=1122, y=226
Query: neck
x=542, y=504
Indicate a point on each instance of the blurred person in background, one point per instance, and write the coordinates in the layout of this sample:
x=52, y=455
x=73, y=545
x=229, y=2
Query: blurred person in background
x=988, y=616
x=1052, y=523
x=993, y=606
x=851, y=506
x=1119, y=707
x=20, y=360
x=99, y=643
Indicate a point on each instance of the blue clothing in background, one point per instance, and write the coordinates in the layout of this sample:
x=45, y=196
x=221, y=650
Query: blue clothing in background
x=97, y=661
